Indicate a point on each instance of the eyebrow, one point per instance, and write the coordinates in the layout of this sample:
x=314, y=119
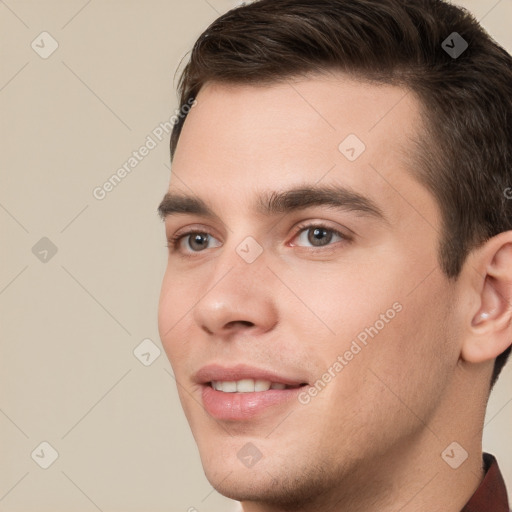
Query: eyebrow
x=280, y=202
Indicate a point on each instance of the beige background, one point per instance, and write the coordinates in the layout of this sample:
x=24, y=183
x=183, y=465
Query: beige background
x=70, y=325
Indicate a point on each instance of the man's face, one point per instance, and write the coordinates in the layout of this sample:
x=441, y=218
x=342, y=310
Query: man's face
x=365, y=312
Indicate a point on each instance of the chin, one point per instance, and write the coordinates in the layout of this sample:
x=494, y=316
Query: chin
x=276, y=480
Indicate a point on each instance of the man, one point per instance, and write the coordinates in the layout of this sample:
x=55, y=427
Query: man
x=337, y=303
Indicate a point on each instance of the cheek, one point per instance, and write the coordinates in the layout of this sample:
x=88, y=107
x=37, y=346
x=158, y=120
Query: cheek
x=380, y=329
x=165, y=309
x=411, y=359
x=172, y=310
x=343, y=305
x=403, y=367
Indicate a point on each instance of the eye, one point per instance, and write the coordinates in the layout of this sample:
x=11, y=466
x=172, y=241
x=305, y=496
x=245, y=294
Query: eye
x=318, y=235
x=194, y=241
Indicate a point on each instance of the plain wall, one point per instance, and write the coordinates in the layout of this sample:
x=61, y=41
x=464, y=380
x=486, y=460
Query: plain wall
x=70, y=324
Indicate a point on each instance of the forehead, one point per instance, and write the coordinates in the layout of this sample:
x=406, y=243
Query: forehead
x=240, y=140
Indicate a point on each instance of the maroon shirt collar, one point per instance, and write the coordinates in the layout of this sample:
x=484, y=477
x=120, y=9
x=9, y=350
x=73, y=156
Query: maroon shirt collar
x=491, y=495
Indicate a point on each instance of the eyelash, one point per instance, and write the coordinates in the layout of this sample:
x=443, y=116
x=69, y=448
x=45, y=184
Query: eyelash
x=174, y=242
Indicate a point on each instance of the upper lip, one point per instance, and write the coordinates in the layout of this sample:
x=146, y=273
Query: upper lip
x=216, y=372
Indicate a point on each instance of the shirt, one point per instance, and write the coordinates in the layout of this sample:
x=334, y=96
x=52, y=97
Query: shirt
x=491, y=495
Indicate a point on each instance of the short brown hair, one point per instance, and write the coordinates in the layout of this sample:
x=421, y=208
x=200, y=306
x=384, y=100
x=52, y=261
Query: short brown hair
x=465, y=156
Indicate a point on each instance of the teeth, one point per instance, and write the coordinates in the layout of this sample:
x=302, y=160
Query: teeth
x=261, y=385
x=229, y=387
x=246, y=385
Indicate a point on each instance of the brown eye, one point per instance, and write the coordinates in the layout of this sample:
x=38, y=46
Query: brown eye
x=195, y=241
x=318, y=236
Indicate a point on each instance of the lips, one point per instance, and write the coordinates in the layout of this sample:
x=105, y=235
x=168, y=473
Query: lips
x=259, y=390
x=216, y=373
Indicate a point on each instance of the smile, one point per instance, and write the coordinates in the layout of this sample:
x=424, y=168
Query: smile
x=248, y=385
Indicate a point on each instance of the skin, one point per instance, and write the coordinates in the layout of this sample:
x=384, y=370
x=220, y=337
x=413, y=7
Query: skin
x=372, y=439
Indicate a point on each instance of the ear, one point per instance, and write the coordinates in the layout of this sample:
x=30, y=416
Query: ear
x=490, y=329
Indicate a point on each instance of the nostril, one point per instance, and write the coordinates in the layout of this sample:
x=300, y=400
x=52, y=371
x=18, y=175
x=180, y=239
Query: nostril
x=241, y=322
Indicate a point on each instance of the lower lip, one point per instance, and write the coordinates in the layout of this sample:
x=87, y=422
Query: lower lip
x=244, y=406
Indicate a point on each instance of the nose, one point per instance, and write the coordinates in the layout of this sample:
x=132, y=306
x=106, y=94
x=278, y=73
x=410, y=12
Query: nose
x=237, y=297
